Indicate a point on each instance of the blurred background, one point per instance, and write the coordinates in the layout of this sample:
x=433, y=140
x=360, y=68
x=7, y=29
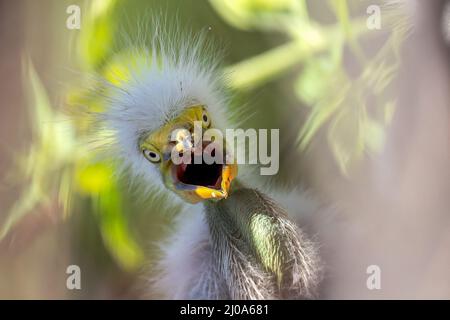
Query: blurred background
x=362, y=105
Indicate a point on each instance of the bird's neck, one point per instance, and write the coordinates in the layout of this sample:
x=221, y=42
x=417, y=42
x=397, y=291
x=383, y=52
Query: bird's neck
x=247, y=222
x=258, y=251
x=236, y=212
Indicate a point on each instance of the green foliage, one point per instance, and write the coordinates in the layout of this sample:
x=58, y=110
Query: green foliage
x=338, y=101
x=52, y=142
x=59, y=169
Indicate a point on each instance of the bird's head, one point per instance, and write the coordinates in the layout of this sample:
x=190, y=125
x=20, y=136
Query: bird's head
x=163, y=93
x=173, y=147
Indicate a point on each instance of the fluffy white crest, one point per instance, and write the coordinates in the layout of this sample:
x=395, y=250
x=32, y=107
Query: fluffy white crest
x=156, y=81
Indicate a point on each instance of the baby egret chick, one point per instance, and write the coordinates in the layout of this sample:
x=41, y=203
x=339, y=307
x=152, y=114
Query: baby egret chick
x=235, y=242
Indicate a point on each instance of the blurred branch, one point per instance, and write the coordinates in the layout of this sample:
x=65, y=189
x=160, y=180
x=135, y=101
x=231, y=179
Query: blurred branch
x=266, y=66
x=256, y=70
x=323, y=83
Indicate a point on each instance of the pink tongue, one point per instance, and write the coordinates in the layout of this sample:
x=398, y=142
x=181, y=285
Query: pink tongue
x=181, y=169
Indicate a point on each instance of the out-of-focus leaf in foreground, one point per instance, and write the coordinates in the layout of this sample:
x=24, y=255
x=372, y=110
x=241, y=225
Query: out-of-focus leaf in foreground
x=52, y=146
x=355, y=109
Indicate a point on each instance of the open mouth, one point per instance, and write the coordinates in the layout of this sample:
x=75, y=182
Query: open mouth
x=200, y=180
x=199, y=174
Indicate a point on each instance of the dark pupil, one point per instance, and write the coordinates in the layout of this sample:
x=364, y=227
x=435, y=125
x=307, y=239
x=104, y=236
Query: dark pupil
x=205, y=118
x=152, y=155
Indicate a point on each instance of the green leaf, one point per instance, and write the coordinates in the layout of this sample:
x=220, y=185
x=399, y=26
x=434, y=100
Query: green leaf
x=114, y=228
x=313, y=82
x=345, y=137
x=51, y=144
x=324, y=109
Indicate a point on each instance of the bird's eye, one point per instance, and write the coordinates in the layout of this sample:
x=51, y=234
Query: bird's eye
x=152, y=156
x=205, y=119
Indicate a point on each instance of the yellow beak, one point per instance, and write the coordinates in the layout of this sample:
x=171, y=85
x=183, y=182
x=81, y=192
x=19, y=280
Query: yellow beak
x=229, y=172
